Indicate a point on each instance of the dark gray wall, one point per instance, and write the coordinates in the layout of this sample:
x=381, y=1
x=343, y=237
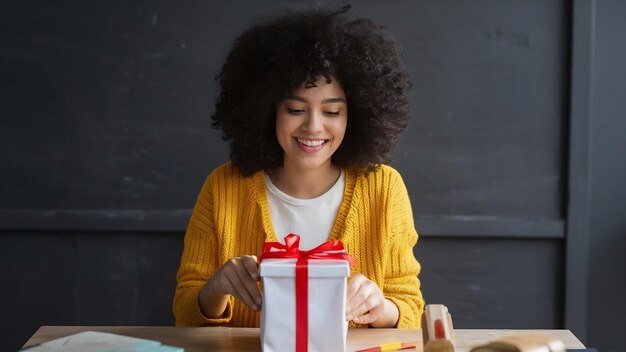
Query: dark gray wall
x=105, y=141
x=607, y=237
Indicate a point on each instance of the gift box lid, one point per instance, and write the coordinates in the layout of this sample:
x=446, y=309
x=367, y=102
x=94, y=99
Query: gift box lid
x=317, y=268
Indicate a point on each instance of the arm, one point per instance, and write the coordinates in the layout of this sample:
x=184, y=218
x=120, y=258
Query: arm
x=397, y=302
x=205, y=290
x=199, y=261
x=402, y=287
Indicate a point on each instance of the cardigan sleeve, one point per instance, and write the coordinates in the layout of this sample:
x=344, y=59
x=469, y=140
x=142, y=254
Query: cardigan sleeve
x=199, y=261
x=402, y=285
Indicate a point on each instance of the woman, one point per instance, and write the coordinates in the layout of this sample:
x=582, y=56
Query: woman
x=312, y=103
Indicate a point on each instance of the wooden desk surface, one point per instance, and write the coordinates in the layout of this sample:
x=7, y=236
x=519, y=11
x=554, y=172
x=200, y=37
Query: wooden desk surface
x=247, y=339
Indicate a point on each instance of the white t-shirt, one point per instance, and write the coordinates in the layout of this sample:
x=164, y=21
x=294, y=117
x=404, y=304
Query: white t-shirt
x=312, y=219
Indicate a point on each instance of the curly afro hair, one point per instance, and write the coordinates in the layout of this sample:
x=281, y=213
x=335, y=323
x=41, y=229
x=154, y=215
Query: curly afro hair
x=269, y=60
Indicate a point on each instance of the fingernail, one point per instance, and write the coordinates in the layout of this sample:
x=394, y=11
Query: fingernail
x=254, y=307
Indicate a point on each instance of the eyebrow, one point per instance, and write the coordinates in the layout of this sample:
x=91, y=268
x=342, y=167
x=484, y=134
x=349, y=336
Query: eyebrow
x=325, y=101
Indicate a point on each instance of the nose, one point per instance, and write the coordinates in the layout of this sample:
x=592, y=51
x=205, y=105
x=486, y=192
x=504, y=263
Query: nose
x=314, y=121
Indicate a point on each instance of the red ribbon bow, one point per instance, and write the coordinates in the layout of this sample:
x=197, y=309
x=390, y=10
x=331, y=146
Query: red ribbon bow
x=327, y=250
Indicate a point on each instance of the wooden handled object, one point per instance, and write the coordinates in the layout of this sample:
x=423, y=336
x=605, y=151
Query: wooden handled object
x=437, y=331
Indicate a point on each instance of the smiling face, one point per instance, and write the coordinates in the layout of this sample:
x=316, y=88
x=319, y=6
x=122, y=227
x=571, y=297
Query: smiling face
x=311, y=123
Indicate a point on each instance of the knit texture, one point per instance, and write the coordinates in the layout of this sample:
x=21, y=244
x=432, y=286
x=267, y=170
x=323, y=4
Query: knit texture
x=232, y=218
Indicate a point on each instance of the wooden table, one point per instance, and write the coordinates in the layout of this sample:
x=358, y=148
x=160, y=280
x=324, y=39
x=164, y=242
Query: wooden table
x=247, y=339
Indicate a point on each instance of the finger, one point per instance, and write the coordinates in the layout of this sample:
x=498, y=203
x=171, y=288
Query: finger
x=370, y=310
x=361, y=288
x=248, y=281
x=372, y=316
x=369, y=297
x=362, y=308
x=355, y=302
x=239, y=291
x=353, y=285
x=250, y=262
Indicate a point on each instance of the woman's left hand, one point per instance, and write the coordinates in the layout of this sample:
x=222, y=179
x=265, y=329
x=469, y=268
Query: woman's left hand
x=365, y=301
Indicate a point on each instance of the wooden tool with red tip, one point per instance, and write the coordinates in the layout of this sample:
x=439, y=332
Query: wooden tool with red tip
x=437, y=331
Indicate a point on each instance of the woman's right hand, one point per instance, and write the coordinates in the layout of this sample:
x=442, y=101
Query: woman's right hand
x=238, y=277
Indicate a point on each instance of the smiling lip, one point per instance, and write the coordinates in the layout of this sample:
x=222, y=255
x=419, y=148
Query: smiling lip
x=312, y=145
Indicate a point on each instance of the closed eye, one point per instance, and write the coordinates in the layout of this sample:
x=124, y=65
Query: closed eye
x=295, y=111
x=332, y=113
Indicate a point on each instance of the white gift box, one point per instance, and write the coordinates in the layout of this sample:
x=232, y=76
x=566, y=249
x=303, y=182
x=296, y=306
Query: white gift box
x=327, y=326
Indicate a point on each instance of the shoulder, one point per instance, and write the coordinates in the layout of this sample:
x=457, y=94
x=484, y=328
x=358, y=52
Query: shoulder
x=227, y=172
x=227, y=177
x=388, y=171
x=384, y=182
x=383, y=176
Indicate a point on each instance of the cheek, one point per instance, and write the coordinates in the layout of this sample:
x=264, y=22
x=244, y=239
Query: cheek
x=339, y=128
x=282, y=125
x=284, y=129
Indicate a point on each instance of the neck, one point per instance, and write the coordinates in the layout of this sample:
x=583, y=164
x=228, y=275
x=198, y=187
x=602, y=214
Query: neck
x=305, y=184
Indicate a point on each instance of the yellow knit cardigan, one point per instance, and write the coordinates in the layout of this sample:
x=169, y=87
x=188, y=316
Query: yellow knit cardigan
x=232, y=218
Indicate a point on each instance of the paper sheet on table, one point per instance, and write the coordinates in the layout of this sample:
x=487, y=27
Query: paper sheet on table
x=92, y=341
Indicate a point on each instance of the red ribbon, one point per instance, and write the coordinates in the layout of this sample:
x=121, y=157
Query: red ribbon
x=327, y=250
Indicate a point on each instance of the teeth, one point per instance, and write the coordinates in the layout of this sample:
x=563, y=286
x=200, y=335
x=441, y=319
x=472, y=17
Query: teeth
x=310, y=143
